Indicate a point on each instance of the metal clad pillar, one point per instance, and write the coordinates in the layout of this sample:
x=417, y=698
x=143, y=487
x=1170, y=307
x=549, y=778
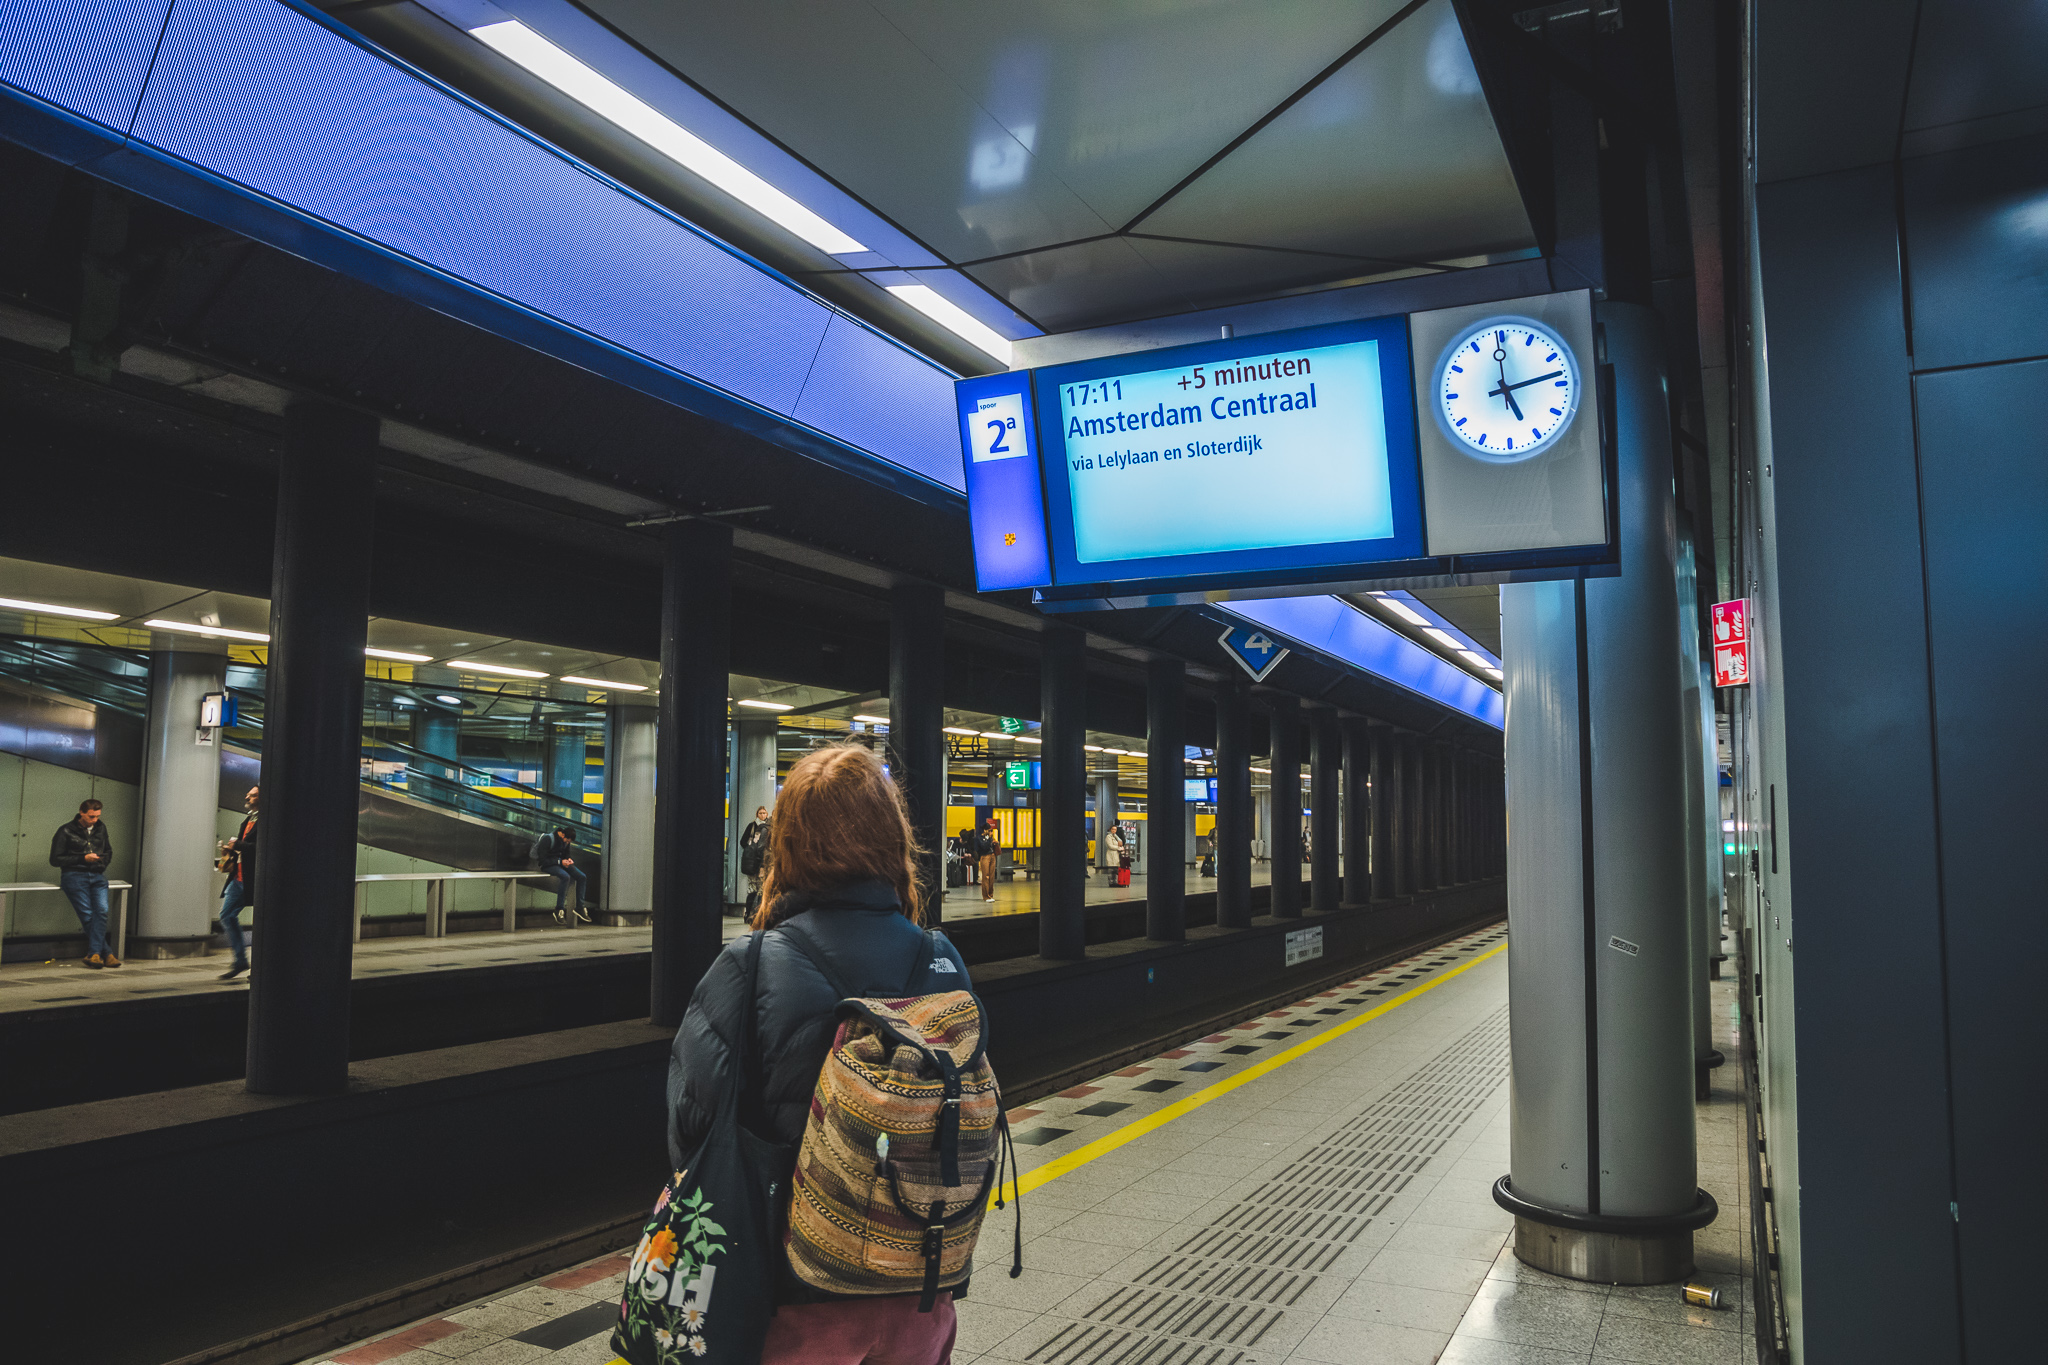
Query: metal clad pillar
x=1603, y=1181
x=753, y=786
x=178, y=890
x=629, y=749
x=1697, y=817
x=689, y=791
x=1062, y=852
x=1386, y=805
x=1233, y=807
x=1166, y=860
x=1420, y=812
x=312, y=752
x=1284, y=845
x=1325, y=763
x=1105, y=816
x=1357, y=811
x=917, y=742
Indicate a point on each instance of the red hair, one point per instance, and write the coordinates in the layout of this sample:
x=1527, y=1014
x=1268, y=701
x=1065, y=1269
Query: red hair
x=839, y=820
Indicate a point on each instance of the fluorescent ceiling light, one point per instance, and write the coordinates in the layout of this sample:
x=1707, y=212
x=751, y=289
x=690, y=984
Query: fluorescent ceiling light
x=222, y=632
x=634, y=115
x=452, y=701
x=954, y=319
x=1495, y=673
x=1135, y=754
x=1404, y=611
x=81, y=613
x=1375, y=593
x=399, y=655
x=997, y=734
x=1267, y=771
x=766, y=705
x=603, y=686
x=1092, y=748
x=1027, y=739
x=466, y=665
x=1444, y=638
x=1116, y=751
x=872, y=720
x=956, y=730
x=1477, y=660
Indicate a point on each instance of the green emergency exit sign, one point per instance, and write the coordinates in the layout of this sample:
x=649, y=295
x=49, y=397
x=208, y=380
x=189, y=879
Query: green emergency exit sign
x=1017, y=776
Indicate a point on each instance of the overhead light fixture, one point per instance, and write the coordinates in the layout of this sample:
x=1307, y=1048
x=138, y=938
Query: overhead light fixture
x=1476, y=660
x=1027, y=739
x=1404, y=611
x=1444, y=638
x=1495, y=673
x=1116, y=751
x=1375, y=593
x=954, y=319
x=765, y=705
x=405, y=701
x=634, y=115
x=399, y=655
x=52, y=609
x=604, y=686
x=211, y=632
x=1135, y=754
x=872, y=720
x=1092, y=748
x=468, y=665
x=956, y=730
x=997, y=734
x=452, y=701
x=1267, y=771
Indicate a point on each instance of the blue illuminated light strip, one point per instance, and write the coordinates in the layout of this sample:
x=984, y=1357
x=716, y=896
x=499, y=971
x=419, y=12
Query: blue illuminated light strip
x=1334, y=627
x=314, y=132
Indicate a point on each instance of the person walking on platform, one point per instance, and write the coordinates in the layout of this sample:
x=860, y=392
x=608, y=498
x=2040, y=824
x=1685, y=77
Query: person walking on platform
x=840, y=915
x=556, y=854
x=991, y=844
x=82, y=850
x=238, y=860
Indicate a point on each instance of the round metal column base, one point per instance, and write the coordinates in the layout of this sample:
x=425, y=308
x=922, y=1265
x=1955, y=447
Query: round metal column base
x=1604, y=1257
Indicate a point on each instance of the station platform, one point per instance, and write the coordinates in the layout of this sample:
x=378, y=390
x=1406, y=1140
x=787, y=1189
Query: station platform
x=59, y=982
x=1310, y=1185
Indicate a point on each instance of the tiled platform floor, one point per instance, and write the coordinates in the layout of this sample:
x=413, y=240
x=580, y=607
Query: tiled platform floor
x=1309, y=1186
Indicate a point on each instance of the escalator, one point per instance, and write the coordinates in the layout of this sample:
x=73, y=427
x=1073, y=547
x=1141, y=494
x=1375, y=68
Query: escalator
x=431, y=806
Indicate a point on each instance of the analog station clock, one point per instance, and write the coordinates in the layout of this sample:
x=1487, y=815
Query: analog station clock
x=1507, y=389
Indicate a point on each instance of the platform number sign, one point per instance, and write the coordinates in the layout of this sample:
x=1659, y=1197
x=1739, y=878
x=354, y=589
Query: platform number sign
x=1731, y=643
x=997, y=428
x=1256, y=652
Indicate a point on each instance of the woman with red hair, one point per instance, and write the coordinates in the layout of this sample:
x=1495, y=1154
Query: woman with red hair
x=840, y=913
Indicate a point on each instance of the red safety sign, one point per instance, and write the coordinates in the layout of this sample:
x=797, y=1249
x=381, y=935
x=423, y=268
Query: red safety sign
x=1731, y=643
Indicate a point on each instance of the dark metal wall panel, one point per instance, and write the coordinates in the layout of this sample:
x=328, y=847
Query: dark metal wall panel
x=1977, y=253
x=1986, y=506
x=1856, y=818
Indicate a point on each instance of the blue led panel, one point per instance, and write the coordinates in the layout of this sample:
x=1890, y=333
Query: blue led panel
x=1005, y=504
x=872, y=393
x=1288, y=450
x=88, y=56
x=1338, y=629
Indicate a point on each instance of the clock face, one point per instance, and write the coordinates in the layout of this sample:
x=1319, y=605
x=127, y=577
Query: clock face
x=1507, y=389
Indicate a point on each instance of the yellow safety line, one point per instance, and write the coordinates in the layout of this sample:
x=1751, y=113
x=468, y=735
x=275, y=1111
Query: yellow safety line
x=1137, y=1128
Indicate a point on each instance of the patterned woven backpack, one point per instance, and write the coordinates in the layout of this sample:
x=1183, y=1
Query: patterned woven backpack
x=902, y=1151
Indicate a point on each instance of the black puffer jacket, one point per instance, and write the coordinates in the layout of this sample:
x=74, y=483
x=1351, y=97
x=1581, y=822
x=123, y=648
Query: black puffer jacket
x=867, y=945
x=72, y=841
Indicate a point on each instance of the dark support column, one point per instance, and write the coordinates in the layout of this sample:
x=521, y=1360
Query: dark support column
x=1453, y=840
x=689, y=762
x=1357, y=811
x=1414, y=871
x=1385, y=805
x=1166, y=834
x=917, y=743
x=312, y=752
x=1285, y=844
x=1439, y=843
x=1233, y=807
x=1063, y=846
x=1326, y=759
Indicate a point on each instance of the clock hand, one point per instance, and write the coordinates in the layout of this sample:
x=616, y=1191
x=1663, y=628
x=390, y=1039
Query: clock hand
x=1504, y=391
x=1505, y=386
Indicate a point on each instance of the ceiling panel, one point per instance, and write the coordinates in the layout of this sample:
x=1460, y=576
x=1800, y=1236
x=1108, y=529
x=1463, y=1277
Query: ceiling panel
x=1395, y=156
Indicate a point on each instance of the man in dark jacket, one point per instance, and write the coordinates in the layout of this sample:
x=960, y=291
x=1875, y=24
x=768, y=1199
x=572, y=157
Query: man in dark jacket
x=82, y=850
x=556, y=855
x=854, y=942
x=238, y=860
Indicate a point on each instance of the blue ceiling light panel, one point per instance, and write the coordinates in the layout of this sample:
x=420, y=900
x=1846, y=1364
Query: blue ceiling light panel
x=1335, y=628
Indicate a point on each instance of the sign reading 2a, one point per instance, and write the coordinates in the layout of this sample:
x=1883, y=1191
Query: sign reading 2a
x=997, y=426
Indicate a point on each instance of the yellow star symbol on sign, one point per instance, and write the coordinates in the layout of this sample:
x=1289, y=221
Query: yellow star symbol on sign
x=1009, y=537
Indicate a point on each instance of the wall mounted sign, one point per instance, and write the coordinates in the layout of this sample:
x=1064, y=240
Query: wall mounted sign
x=1731, y=643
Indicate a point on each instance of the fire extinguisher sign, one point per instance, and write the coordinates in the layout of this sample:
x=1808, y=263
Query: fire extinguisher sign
x=1731, y=643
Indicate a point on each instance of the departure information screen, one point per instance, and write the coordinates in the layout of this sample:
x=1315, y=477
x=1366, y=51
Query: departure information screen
x=1280, y=448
